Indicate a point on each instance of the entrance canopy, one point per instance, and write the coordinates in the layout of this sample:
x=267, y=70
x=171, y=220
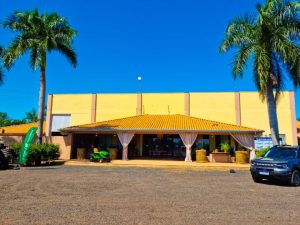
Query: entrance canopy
x=186, y=126
x=171, y=124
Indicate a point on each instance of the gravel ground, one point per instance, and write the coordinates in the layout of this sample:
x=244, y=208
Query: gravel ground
x=127, y=195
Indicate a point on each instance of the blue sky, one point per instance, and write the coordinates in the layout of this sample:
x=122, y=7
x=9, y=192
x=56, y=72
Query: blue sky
x=172, y=44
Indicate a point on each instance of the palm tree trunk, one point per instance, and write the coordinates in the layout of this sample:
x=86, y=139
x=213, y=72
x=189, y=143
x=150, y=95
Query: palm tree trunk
x=272, y=111
x=41, y=104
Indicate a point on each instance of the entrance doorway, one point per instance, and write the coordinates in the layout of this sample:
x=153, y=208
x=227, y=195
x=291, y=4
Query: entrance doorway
x=163, y=146
x=87, y=142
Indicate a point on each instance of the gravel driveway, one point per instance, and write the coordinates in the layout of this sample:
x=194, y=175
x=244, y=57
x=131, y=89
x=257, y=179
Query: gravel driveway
x=127, y=195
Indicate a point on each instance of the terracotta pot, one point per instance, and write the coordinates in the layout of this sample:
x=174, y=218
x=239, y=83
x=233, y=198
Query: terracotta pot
x=201, y=156
x=241, y=157
x=113, y=152
x=81, y=152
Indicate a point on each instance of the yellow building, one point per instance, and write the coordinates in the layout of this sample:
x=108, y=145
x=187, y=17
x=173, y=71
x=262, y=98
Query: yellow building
x=237, y=108
x=93, y=119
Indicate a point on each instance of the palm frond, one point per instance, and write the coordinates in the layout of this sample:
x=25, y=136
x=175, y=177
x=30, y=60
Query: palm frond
x=294, y=72
x=287, y=50
x=15, y=50
x=1, y=75
x=68, y=52
x=239, y=33
x=35, y=58
x=261, y=70
x=240, y=60
x=39, y=34
x=18, y=22
x=1, y=70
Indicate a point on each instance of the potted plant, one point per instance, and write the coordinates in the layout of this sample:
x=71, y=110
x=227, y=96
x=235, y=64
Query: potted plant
x=221, y=155
x=225, y=147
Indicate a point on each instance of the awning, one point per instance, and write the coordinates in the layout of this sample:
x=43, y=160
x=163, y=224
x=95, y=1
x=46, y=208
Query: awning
x=161, y=124
x=19, y=130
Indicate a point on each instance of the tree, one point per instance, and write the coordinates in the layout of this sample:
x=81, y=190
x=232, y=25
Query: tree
x=4, y=120
x=31, y=116
x=39, y=34
x=1, y=71
x=271, y=39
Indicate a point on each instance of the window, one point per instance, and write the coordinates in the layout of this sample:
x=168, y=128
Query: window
x=60, y=121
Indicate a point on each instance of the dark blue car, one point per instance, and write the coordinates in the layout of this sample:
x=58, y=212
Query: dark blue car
x=280, y=162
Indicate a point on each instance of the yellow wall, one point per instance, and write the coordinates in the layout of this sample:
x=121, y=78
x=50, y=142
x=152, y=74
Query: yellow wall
x=163, y=103
x=213, y=106
x=114, y=106
x=254, y=113
x=78, y=105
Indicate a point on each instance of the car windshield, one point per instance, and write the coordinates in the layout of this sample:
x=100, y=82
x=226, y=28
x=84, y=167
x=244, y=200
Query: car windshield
x=281, y=153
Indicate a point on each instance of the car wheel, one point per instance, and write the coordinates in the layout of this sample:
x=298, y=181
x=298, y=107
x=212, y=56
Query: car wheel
x=257, y=179
x=295, y=178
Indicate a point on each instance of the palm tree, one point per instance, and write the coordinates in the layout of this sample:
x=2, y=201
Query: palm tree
x=39, y=34
x=272, y=40
x=31, y=116
x=1, y=72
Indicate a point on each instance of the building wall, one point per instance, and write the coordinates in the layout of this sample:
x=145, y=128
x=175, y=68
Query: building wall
x=242, y=108
x=8, y=140
x=254, y=114
x=79, y=106
x=213, y=106
x=65, y=145
x=163, y=103
x=112, y=106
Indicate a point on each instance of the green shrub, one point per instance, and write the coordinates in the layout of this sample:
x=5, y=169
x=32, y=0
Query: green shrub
x=37, y=152
x=52, y=151
x=261, y=152
x=15, y=150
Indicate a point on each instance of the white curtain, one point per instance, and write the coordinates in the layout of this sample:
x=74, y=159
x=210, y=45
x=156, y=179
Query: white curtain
x=188, y=140
x=125, y=139
x=247, y=141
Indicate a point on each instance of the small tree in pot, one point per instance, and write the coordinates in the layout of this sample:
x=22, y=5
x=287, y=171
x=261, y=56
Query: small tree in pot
x=225, y=147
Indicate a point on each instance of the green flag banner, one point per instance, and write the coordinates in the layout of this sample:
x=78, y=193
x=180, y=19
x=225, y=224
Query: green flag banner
x=26, y=145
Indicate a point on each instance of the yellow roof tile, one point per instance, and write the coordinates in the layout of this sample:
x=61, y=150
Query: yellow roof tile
x=160, y=123
x=20, y=129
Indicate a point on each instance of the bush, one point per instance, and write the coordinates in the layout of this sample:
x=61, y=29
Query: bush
x=261, y=152
x=15, y=151
x=37, y=152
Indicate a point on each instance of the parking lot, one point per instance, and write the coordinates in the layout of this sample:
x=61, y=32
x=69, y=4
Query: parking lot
x=130, y=195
